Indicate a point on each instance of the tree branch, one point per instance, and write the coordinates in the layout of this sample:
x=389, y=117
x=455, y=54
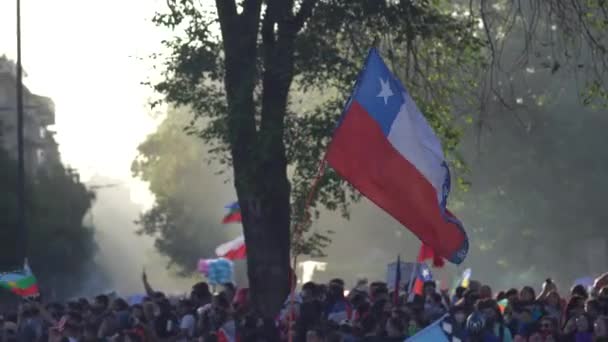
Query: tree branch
x=304, y=13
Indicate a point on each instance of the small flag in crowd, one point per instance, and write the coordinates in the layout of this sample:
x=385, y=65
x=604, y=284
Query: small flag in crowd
x=233, y=250
x=234, y=213
x=422, y=275
x=466, y=277
x=502, y=305
x=462, y=281
x=440, y=331
x=22, y=283
x=386, y=149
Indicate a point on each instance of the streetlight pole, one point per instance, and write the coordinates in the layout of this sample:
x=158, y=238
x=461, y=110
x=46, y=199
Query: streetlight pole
x=21, y=224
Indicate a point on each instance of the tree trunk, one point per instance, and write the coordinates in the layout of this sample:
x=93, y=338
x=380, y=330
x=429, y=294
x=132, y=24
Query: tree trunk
x=260, y=167
x=258, y=154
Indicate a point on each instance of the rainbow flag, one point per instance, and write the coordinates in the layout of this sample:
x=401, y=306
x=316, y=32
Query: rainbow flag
x=502, y=305
x=234, y=213
x=22, y=283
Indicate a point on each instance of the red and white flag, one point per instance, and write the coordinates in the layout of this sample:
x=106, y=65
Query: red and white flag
x=233, y=250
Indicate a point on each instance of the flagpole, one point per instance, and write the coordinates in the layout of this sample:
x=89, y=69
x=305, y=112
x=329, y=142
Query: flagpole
x=21, y=225
x=410, y=295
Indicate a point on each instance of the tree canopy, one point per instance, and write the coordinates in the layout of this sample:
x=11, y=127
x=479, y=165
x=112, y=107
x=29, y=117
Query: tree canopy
x=60, y=247
x=266, y=82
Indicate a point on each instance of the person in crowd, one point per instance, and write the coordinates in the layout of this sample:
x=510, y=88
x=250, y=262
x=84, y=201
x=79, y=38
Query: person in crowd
x=165, y=324
x=553, y=306
x=187, y=321
x=395, y=330
x=485, y=292
x=580, y=291
x=548, y=330
x=574, y=308
x=584, y=328
x=495, y=328
x=600, y=329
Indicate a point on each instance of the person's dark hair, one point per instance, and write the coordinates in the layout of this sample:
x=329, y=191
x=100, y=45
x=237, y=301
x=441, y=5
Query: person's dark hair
x=430, y=283
x=164, y=306
x=310, y=286
x=500, y=296
x=357, y=300
x=120, y=304
x=379, y=291
x=222, y=300
x=470, y=297
x=74, y=306
x=337, y=281
x=530, y=290
x=579, y=290
x=335, y=292
x=103, y=300
x=511, y=293
x=201, y=288
x=84, y=303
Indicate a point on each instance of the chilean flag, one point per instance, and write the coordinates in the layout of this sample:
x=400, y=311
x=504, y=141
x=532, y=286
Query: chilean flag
x=386, y=149
x=232, y=250
x=234, y=213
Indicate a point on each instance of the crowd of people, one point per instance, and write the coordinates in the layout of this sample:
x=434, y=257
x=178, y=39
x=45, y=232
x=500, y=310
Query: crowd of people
x=322, y=312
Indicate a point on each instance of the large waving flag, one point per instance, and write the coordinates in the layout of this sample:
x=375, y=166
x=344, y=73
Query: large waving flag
x=22, y=283
x=385, y=148
x=232, y=250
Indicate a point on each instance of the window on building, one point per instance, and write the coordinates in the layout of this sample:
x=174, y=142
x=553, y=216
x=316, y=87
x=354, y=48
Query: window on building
x=40, y=156
x=42, y=132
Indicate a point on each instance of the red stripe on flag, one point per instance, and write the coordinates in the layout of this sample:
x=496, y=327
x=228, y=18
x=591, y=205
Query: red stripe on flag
x=419, y=287
x=234, y=217
x=27, y=292
x=239, y=253
x=362, y=155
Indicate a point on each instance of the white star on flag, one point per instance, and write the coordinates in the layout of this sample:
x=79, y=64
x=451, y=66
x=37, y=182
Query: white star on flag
x=425, y=273
x=385, y=91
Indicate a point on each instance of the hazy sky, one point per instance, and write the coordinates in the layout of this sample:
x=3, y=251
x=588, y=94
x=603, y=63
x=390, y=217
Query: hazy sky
x=84, y=55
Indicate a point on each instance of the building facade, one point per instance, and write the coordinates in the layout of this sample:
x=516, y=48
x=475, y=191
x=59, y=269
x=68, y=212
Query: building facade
x=40, y=147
